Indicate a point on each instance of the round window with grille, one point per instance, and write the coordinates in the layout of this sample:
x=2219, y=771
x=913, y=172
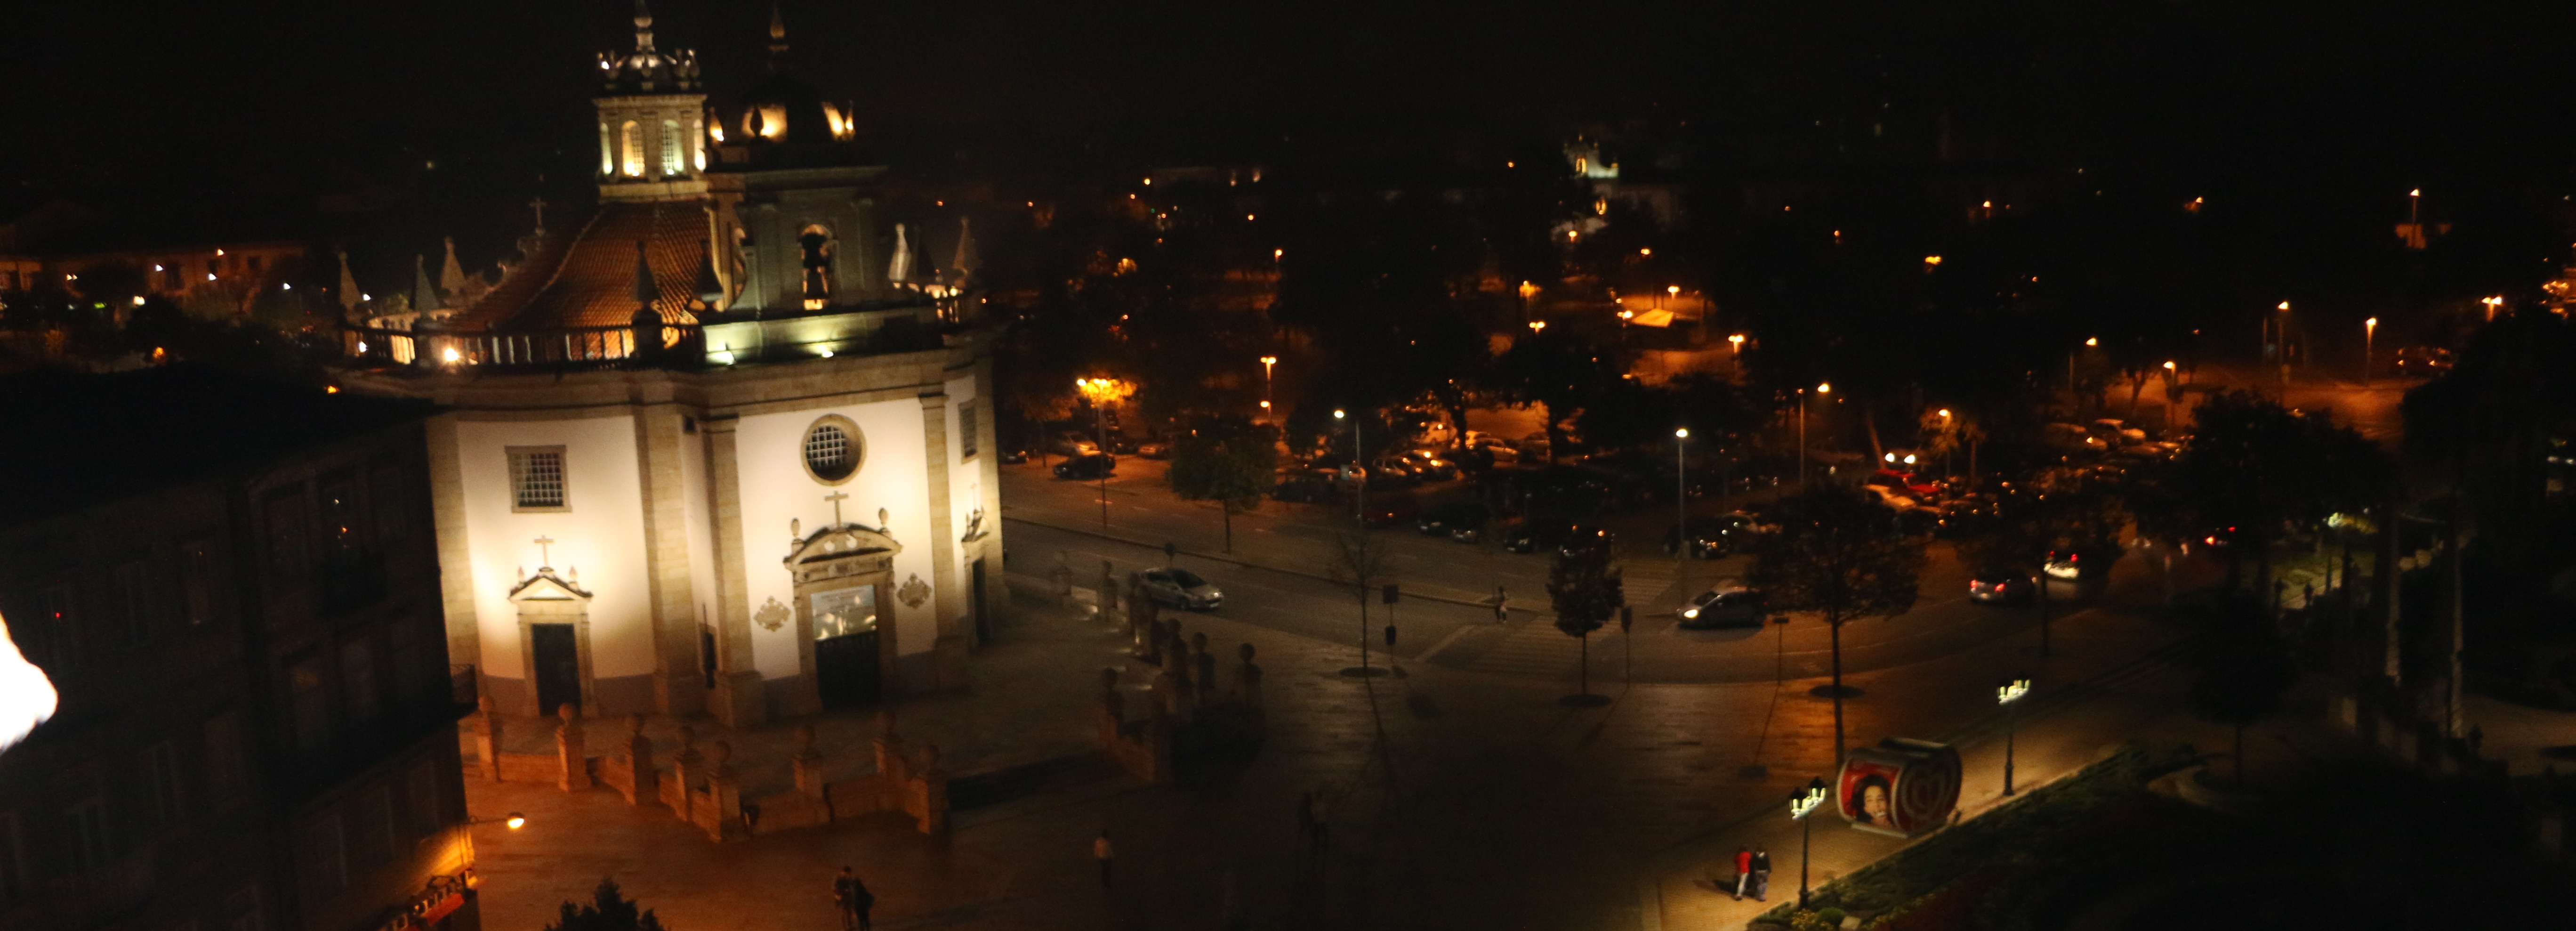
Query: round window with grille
x=832, y=450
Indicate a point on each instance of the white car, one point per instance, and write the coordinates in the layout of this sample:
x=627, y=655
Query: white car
x=1181, y=588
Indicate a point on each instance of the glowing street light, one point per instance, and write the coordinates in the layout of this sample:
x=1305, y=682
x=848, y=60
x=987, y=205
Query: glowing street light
x=1538, y=326
x=2369, y=332
x=1804, y=803
x=2006, y=694
x=2492, y=303
x=1681, y=493
x=1821, y=389
x=1266, y=363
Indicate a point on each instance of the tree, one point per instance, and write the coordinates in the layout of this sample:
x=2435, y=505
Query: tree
x=1558, y=373
x=609, y=910
x=1232, y=471
x=1837, y=555
x=2244, y=670
x=1586, y=592
x=2255, y=466
x=1361, y=559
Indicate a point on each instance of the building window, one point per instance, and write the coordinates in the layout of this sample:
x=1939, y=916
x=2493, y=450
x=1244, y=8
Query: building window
x=95, y=845
x=13, y=862
x=224, y=772
x=371, y=830
x=197, y=581
x=966, y=427
x=422, y=788
x=242, y=911
x=537, y=478
x=386, y=490
x=326, y=858
x=286, y=554
x=351, y=574
x=814, y=245
x=832, y=450
x=358, y=683
x=607, y=152
x=57, y=634
x=134, y=601
x=671, y=164
x=162, y=790
x=632, y=138
x=309, y=707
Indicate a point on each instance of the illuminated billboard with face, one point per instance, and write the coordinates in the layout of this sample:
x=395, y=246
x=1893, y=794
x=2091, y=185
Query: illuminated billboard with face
x=1899, y=787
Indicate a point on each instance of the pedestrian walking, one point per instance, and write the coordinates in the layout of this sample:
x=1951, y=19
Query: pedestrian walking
x=854, y=900
x=1743, y=870
x=1100, y=851
x=1502, y=604
x=1761, y=874
x=1321, y=810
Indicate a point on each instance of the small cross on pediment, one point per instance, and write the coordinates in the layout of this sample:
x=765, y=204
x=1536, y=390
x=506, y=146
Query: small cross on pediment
x=836, y=498
x=545, y=560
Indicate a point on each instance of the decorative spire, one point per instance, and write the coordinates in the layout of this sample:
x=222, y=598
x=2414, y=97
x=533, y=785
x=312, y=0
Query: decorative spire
x=424, y=296
x=777, y=38
x=645, y=291
x=451, y=275
x=643, y=28
x=900, y=270
x=349, y=293
x=966, y=261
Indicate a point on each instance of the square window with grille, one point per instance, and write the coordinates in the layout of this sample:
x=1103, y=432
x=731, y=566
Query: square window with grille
x=537, y=478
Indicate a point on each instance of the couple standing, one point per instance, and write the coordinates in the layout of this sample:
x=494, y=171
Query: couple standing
x=1752, y=873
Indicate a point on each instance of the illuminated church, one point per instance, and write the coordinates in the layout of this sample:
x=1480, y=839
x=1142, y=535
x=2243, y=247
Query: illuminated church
x=723, y=444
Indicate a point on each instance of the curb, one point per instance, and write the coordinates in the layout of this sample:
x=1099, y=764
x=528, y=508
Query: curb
x=1219, y=557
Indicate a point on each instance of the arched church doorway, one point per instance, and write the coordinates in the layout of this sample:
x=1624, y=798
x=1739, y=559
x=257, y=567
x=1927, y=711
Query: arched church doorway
x=846, y=646
x=844, y=577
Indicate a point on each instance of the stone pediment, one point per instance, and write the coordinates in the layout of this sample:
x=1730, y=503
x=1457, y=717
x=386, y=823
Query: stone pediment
x=547, y=586
x=842, y=541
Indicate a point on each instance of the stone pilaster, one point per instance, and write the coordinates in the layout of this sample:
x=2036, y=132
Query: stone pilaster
x=949, y=651
x=570, y=751
x=455, y=553
x=739, y=700
x=677, y=687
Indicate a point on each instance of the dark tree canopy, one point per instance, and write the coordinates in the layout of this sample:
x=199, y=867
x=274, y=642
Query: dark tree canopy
x=609, y=910
x=1837, y=554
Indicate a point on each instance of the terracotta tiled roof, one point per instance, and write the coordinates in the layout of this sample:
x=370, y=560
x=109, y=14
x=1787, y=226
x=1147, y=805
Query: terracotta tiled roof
x=588, y=278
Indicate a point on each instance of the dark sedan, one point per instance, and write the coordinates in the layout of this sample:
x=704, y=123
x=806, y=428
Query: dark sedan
x=1091, y=466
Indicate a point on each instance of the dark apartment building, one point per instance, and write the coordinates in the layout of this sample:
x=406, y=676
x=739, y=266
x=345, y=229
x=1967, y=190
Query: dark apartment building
x=233, y=586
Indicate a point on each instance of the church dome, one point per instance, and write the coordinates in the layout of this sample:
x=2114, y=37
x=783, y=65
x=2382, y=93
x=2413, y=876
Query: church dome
x=786, y=110
x=647, y=70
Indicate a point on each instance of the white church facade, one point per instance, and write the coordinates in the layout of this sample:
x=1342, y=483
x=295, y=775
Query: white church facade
x=722, y=446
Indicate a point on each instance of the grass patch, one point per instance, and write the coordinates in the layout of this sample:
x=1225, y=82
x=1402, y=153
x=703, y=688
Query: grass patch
x=2014, y=837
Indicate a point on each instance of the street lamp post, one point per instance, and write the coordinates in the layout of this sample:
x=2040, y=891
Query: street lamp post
x=2006, y=694
x=1360, y=458
x=2369, y=333
x=1949, y=448
x=1804, y=803
x=1681, y=495
x=1100, y=392
x=513, y=821
x=2281, y=337
x=1266, y=410
x=1822, y=388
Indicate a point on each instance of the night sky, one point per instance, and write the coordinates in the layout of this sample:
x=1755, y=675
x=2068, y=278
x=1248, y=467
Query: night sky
x=283, y=102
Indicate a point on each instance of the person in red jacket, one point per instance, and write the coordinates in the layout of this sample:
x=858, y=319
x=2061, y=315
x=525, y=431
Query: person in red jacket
x=1743, y=870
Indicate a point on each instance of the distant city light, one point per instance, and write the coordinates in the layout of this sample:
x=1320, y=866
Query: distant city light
x=27, y=698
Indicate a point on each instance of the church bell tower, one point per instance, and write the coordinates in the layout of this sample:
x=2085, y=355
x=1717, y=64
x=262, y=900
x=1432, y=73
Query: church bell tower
x=652, y=121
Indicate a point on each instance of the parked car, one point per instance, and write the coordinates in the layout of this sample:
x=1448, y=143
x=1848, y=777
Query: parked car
x=2420, y=362
x=1306, y=489
x=1389, y=510
x=1707, y=537
x=1999, y=587
x=1181, y=588
x=1088, y=466
x=1391, y=473
x=2068, y=437
x=1726, y=604
x=1888, y=497
x=1562, y=537
x=1071, y=443
x=1906, y=483
x=2113, y=431
x=1154, y=449
x=1463, y=521
x=1430, y=466
x=1015, y=456
x=2064, y=565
